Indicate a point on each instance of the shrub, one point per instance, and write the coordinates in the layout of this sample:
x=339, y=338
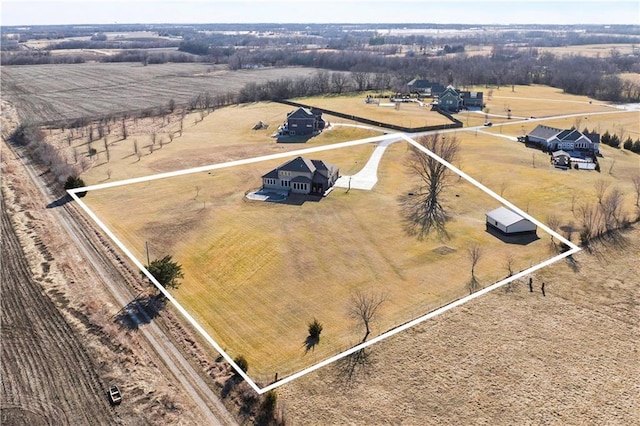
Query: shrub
x=628, y=144
x=242, y=363
x=75, y=182
x=268, y=407
x=315, y=328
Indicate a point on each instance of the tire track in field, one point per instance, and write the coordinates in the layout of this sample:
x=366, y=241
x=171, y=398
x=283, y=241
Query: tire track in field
x=48, y=376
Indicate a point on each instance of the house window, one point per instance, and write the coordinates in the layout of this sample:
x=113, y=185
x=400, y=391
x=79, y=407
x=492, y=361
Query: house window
x=286, y=183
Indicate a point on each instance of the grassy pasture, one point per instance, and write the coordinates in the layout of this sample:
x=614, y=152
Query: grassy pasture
x=409, y=114
x=257, y=273
x=223, y=135
x=67, y=91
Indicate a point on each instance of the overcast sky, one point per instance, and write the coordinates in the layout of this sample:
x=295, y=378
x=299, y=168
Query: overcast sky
x=27, y=12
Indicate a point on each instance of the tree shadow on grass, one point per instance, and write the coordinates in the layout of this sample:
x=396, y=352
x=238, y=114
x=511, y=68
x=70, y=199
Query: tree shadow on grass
x=310, y=343
x=141, y=310
x=354, y=366
x=66, y=198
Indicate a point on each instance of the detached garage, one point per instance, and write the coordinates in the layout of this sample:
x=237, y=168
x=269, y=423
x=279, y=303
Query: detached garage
x=509, y=223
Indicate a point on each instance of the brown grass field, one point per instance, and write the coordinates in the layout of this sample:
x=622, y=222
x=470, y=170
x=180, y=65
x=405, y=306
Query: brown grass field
x=254, y=280
x=408, y=114
x=252, y=277
x=196, y=225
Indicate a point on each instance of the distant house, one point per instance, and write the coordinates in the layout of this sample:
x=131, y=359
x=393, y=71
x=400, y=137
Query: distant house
x=453, y=100
x=302, y=176
x=303, y=122
x=424, y=87
x=552, y=139
x=508, y=222
x=450, y=100
x=472, y=99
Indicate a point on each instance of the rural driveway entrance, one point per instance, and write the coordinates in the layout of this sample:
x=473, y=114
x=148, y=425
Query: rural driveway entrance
x=368, y=176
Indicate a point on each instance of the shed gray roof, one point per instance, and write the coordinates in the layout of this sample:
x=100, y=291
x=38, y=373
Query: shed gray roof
x=504, y=216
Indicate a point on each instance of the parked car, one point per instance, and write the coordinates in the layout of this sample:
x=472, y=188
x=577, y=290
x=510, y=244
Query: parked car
x=488, y=124
x=115, y=397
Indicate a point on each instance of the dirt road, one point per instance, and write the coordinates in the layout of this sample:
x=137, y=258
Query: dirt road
x=48, y=377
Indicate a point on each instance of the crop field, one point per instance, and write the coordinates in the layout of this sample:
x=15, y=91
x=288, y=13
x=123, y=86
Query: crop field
x=57, y=92
x=256, y=273
x=408, y=114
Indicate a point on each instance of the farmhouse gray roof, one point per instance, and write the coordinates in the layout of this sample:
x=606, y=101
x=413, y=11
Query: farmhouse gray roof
x=504, y=216
x=544, y=132
x=301, y=112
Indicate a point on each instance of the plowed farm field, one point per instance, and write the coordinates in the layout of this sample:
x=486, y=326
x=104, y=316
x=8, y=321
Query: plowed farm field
x=48, y=377
x=59, y=92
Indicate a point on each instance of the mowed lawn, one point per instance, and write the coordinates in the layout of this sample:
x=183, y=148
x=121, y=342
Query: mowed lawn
x=407, y=114
x=257, y=273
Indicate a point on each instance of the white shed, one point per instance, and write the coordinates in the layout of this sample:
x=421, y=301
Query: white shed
x=509, y=222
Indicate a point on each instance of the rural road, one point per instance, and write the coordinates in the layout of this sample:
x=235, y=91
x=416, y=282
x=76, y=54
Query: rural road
x=81, y=234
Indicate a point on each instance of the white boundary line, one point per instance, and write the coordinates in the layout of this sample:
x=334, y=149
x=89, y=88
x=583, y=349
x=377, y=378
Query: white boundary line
x=73, y=192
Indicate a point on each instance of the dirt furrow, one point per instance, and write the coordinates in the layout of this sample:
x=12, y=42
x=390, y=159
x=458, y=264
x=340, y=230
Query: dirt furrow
x=47, y=375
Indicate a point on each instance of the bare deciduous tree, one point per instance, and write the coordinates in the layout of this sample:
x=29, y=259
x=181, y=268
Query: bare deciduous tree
x=509, y=262
x=364, y=306
x=553, y=222
x=124, y=128
x=636, y=185
x=339, y=81
x=423, y=210
x=475, y=254
x=601, y=186
x=611, y=207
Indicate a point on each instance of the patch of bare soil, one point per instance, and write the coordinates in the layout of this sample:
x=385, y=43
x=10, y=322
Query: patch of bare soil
x=510, y=357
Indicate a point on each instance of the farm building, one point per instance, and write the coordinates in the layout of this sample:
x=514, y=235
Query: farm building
x=509, y=223
x=303, y=122
x=453, y=100
x=424, y=87
x=302, y=176
x=561, y=159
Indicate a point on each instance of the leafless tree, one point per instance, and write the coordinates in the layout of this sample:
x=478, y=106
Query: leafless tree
x=153, y=138
x=135, y=146
x=533, y=160
x=109, y=171
x=364, y=306
x=590, y=218
x=198, y=188
x=611, y=207
x=601, y=186
x=171, y=136
x=509, y=262
x=475, y=254
x=636, y=185
x=124, y=128
x=423, y=211
x=553, y=222
x=339, y=81
x=361, y=80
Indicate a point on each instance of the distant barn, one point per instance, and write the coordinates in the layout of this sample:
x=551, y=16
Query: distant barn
x=508, y=222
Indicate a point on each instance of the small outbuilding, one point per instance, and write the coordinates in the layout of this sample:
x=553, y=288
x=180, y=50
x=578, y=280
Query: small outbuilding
x=509, y=223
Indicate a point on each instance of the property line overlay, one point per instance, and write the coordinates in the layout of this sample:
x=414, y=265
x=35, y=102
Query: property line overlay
x=395, y=137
